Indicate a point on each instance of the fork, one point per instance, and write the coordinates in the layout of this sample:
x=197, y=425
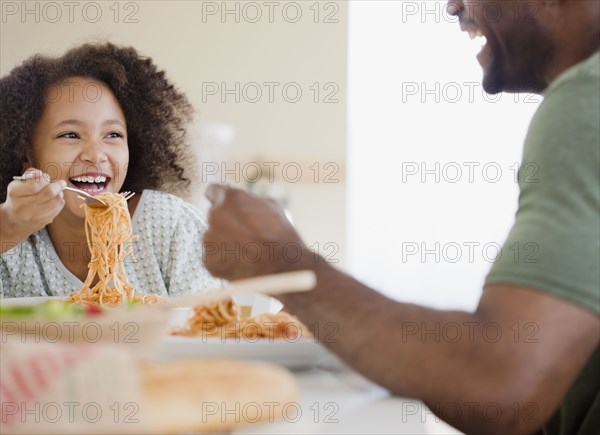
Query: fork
x=280, y=283
x=127, y=195
x=94, y=202
x=90, y=200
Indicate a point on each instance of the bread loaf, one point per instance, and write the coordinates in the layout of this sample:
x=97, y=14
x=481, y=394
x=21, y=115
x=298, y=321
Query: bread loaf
x=213, y=395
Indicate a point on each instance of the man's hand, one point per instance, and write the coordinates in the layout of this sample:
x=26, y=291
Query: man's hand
x=249, y=236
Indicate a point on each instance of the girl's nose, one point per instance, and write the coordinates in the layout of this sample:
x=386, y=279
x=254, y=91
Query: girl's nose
x=94, y=152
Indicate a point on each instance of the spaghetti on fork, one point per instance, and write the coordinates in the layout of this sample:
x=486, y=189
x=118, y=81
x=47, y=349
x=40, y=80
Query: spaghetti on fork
x=109, y=237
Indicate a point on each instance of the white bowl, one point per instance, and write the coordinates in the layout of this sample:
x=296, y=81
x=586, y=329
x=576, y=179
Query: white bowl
x=140, y=329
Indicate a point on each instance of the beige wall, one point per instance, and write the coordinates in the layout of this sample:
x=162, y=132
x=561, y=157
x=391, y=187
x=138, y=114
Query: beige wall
x=199, y=47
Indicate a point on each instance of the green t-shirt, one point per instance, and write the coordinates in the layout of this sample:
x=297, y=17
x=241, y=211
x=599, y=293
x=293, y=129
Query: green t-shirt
x=554, y=245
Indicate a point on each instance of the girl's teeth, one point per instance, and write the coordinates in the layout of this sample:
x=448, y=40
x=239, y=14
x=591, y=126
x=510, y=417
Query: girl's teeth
x=90, y=179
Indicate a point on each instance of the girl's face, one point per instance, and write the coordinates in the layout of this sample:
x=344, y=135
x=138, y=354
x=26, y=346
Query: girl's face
x=82, y=138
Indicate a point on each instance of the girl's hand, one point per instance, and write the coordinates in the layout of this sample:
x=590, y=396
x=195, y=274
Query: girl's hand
x=30, y=205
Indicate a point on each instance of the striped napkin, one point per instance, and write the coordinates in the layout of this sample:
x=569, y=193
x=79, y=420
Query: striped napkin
x=68, y=389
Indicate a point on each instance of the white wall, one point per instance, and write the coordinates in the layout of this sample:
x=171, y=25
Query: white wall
x=418, y=115
x=198, y=46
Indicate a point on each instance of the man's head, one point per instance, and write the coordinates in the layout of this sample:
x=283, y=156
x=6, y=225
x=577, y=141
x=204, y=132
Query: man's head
x=529, y=42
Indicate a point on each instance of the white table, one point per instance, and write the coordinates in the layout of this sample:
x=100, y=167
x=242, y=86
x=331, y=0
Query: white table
x=334, y=399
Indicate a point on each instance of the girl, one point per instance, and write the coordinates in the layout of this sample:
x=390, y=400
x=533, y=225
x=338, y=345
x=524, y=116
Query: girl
x=100, y=118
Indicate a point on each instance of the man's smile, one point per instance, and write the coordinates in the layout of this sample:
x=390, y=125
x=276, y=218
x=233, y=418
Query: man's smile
x=477, y=35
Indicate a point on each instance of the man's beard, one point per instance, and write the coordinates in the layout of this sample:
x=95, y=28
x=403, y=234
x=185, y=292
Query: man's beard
x=524, y=68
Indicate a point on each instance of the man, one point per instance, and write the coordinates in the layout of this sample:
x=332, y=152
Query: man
x=540, y=366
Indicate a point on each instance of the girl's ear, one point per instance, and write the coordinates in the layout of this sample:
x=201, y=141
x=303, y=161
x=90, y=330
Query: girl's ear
x=29, y=163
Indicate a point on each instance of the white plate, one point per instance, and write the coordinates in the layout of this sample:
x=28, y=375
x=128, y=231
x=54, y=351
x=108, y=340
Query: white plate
x=33, y=300
x=303, y=353
x=295, y=354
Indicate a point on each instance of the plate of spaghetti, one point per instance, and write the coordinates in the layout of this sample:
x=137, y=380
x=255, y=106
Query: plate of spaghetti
x=219, y=330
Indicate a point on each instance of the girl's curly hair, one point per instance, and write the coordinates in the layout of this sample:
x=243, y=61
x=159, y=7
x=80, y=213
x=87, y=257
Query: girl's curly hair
x=156, y=112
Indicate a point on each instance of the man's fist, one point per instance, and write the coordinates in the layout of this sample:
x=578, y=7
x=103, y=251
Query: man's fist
x=249, y=236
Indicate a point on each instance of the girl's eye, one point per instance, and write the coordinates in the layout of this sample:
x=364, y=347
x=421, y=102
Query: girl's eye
x=114, y=134
x=69, y=135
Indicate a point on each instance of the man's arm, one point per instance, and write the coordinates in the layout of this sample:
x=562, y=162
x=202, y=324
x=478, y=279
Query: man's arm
x=506, y=367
